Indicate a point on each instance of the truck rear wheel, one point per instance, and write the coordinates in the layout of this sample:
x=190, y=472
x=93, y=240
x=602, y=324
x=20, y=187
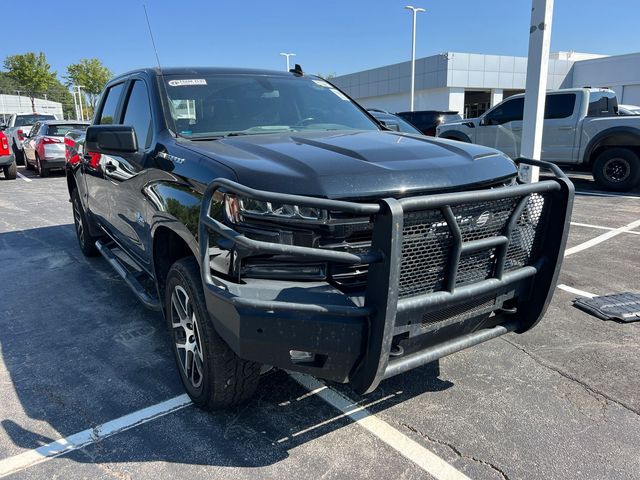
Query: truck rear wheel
x=617, y=169
x=212, y=374
x=86, y=241
x=10, y=171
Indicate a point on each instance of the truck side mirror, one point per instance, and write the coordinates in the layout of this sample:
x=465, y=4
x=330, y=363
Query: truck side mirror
x=111, y=139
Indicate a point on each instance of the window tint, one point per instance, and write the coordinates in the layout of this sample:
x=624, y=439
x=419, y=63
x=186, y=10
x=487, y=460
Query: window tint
x=62, y=130
x=138, y=113
x=602, y=104
x=509, y=111
x=24, y=120
x=559, y=106
x=108, y=114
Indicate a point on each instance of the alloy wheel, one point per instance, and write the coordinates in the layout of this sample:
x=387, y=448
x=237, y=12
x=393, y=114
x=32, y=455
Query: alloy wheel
x=617, y=169
x=186, y=335
x=77, y=217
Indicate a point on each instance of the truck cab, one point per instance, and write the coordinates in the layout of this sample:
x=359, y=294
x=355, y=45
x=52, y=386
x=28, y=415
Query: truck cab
x=578, y=124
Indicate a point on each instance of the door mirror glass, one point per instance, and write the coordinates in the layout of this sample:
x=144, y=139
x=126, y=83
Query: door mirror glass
x=111, y=139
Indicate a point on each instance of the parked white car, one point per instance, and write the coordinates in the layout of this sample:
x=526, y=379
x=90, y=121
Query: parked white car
x=44, y=147
x=581, y=128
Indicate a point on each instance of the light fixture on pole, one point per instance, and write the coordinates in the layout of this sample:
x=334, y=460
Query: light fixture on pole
x=287, y=55
x=415, y=11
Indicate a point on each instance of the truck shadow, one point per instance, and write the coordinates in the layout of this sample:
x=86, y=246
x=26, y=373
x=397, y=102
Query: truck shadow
x=79, y=350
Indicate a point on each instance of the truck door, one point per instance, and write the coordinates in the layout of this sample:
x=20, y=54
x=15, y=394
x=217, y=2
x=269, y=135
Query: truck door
x=125, y=177
x=97, y=189
x=501, y=127
x=560, y=123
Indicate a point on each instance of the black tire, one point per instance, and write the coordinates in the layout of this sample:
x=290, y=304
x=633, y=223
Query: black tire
x=10, y=171
x=617, y=169
x=43, y=172
x=86, y=241
x=223, y=378
x=19, y=154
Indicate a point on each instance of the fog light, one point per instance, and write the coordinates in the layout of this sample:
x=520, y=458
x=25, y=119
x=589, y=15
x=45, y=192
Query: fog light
x=298, y=356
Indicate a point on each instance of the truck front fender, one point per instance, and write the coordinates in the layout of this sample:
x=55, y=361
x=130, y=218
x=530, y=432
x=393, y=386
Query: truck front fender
x=612, y=137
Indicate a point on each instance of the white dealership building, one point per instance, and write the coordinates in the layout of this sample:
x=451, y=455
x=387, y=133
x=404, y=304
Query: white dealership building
x=471, y=83
x=20, y=104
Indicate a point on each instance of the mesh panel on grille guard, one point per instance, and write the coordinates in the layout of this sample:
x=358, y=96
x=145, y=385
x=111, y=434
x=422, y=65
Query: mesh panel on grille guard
x=427, y=242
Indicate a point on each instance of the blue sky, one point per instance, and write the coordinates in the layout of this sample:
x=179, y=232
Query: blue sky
x=328, y=36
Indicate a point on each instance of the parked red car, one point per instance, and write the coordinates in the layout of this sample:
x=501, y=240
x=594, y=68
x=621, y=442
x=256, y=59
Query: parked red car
x=7, y=158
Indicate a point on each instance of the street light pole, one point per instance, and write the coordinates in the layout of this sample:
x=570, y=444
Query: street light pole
x=80, y=101
x=415, y=11
x=287, y=55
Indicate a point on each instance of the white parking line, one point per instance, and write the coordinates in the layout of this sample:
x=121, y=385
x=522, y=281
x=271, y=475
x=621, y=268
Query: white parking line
x=91, y=435
x=609, y=195
x=598, y=227
x=26, y=179
x=601, y=238
x=582, y=293
x=425, y=459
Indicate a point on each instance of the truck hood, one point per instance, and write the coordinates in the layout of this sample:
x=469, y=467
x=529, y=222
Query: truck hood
x=355, y=164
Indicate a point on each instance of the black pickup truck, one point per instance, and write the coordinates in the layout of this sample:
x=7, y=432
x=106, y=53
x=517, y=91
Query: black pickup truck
x=274, y=222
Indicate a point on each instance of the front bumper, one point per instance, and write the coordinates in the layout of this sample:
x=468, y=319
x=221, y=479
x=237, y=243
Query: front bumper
x=422, y=300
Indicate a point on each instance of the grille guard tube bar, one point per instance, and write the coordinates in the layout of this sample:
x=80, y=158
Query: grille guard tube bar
x=381, y=296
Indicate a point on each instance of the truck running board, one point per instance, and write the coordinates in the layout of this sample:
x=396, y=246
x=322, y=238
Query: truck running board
x=148, y=299
x=404, y=364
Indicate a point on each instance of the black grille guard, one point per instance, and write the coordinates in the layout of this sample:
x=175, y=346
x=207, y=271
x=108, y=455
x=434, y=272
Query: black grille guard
x=382, y=301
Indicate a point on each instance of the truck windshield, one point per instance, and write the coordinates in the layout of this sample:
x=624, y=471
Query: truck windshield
x=224, y=105
x=24, y=120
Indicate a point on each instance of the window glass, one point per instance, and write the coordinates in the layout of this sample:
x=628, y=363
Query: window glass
x=559, y=106
x=107, y=116
x=23, y=120
x=217, y=105
x=602, y=104
x=138, y=113
x=62, y=130
x=509, y=111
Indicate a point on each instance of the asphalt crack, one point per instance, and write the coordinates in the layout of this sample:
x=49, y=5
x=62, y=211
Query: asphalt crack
x=599, y=395
x=457, y=451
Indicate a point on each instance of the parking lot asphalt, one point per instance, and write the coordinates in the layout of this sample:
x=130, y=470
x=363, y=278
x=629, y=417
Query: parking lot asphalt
x=77, y=350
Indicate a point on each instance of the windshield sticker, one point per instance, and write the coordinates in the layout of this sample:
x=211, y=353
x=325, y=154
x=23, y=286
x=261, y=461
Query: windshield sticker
x=187, y=82
x=339, y=94
x=322, y=83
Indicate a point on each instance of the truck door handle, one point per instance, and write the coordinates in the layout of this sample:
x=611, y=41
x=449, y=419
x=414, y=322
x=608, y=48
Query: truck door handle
x=516, y=129
x=565, y=128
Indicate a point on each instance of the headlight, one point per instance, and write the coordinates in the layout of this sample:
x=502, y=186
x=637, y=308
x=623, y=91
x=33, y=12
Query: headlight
x=237, y=208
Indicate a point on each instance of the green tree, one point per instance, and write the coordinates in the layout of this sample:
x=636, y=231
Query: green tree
x=92, y=75
x=31, y=72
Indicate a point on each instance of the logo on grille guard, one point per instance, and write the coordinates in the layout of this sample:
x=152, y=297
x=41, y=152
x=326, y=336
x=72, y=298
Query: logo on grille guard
x=483, y=218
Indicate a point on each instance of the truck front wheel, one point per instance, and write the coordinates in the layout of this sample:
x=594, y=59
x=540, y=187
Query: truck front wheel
x=617, y=169
x=212, y=374
x=86, y=241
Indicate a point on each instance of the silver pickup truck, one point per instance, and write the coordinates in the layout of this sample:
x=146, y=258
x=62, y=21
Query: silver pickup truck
x=582, y=129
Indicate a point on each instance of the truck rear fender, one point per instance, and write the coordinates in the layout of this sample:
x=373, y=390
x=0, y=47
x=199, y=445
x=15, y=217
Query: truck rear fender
x=612, y=137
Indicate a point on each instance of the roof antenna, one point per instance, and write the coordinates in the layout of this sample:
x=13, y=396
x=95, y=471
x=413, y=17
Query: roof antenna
x=153, y=42
x=297, y=70
x=164, y=87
